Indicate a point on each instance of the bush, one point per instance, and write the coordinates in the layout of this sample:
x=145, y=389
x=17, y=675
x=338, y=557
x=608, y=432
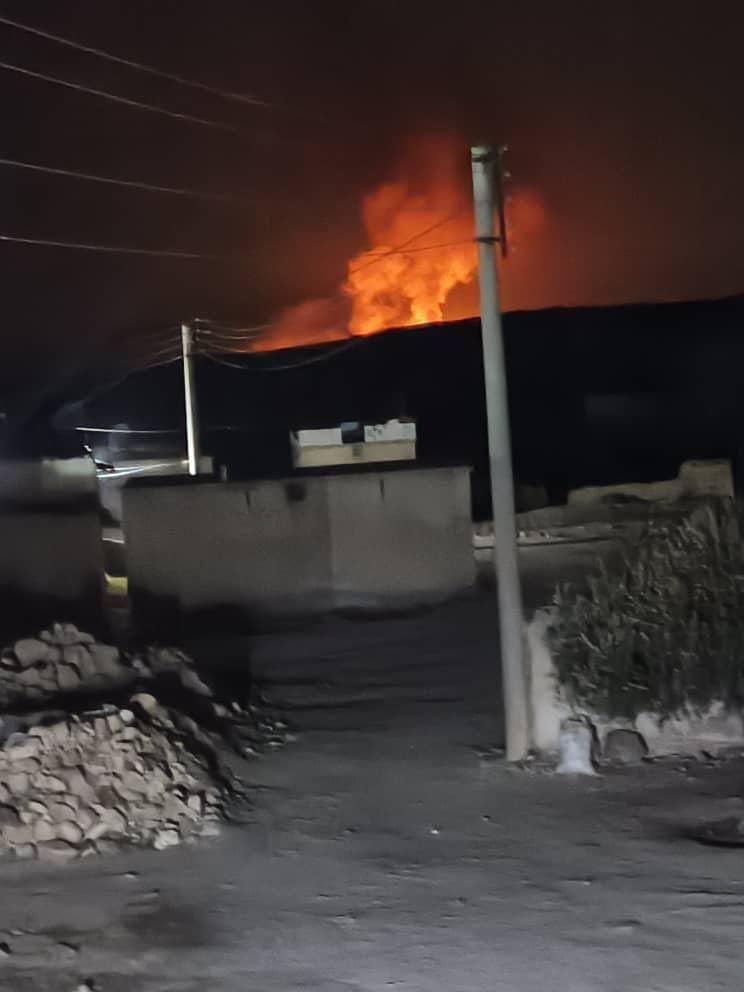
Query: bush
x=664, y=629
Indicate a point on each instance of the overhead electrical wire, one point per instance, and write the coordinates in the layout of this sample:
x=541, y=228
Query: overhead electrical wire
x=410, y=251
x=106, y=249
x=127, y=183
x=126, y=101
x=138, y=66
x=314, y=360
x=126, y=430
x=377, y=256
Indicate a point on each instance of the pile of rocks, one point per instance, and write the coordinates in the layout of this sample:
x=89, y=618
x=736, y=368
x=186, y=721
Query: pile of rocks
x=66, y=660
x=60, y=660
x=79, y=775
x=84, y=785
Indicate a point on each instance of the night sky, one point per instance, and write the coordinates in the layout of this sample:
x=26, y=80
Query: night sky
x=624, y=120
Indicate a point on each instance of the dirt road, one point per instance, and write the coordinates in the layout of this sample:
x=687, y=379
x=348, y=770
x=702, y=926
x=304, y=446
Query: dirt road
x=389, y=848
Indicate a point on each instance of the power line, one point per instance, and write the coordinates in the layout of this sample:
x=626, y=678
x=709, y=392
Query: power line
x=126, y=101
x=225, y=333
x=127, y=183
x=324, y=357
x=410, y=251
x=139, y=66
x=125, y=430
x=398, y=249
x=107, y=249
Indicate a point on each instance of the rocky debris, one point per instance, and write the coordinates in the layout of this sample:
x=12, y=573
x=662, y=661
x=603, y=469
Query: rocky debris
x=59, y=661
x=624, y=747
x=67, y=660
x=81, y=776
x=103, y=778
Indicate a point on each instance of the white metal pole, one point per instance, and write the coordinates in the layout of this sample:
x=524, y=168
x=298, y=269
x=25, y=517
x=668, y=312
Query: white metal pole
x=189, y=390
x=499, y=450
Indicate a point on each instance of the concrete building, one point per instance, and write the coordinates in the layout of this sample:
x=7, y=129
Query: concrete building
x=374, y=540
x=354, y=443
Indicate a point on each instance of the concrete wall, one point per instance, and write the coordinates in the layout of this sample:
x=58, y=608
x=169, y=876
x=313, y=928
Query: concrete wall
x=382, y=539
x=400, y=538
x=51, y=552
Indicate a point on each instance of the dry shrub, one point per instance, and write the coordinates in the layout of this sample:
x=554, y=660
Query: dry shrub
x=664, y=629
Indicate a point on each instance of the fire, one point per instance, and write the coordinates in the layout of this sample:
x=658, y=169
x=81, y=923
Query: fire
x=421, y=249
x=420, y=263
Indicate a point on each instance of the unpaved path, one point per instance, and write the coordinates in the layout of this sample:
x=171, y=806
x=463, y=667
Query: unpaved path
x=390, y=849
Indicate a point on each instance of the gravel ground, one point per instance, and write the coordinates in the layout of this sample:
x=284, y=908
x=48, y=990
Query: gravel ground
x=390, y=848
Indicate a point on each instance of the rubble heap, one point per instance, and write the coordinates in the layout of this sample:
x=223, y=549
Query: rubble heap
x=81, y=776
x=65, y=660
x=84, y=785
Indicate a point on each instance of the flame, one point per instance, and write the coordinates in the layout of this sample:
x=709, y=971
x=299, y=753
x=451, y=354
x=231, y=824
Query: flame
x=420, y=263
x=422, y=249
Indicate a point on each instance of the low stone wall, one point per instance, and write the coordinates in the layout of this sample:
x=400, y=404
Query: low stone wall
x=714, y=730
x=695, y=480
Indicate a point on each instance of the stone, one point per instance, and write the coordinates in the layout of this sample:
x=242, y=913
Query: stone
x=60, y=812
x=126, y=716
x=53, y=783
x=9, y=816
x=116, y=822
x=25, y=851
x=114, y=723
x=69, y=831
x=96, y=831
x=80, y=659
x=30, y=765
x=166, y=838
x=167, y=660
x=18, y=783
x=107, y=846
x=57, y=851
x=30, y=651
x=30, y=678
x=76, y=783
x=66, y=633
x=53, y=655
x=146, y=702
x=60, y=732
x=18, y=835
x=624, y=747
x=41, y=734
x=44, y=830
x=191, y=681
x=26, y=748
x=85, y=819
x=68, y=678
x=107, y=796
x=37, y=807
x=107, y=661
x=132, y=781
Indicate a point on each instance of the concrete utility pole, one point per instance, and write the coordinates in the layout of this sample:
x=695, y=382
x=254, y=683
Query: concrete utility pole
x=499, y=450
x=189, y=390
